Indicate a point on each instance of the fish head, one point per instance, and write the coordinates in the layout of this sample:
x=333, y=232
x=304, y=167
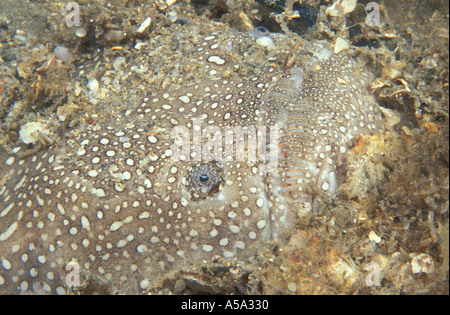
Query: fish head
x=199, y=173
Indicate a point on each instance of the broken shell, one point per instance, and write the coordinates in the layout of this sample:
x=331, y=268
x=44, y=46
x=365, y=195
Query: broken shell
x=93, y=85
x=374, y=237
x=245, y=20
x=139, y=45
x=341, y=44
x=164, y=4
x=118, y=63
x=23, y=70
x=172, y=16
x=47, y=64
x=341, y=7
x=144, y=25
x=29, y=133
x=340, y=270
x=392, y=73
x=422, y=263
x=63, y=54
x=391, y=117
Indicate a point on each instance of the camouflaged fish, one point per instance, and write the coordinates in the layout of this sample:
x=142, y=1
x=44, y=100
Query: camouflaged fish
x=115, y=201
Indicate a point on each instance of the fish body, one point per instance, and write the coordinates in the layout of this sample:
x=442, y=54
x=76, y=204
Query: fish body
x=173, y=181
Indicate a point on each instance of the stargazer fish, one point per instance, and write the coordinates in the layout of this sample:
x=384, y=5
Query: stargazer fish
x=114, y=201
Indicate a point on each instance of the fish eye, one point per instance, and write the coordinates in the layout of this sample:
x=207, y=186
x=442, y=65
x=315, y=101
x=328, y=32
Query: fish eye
x=204, y=180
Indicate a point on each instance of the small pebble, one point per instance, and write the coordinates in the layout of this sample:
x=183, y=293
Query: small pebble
x=265, y=41
x=114, y=36
x=422, y=263
x=81, y=32
x=292, y=287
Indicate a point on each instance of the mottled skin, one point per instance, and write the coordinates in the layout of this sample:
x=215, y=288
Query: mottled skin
x=115, y=201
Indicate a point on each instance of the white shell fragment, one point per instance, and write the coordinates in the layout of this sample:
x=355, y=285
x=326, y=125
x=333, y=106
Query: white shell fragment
x=341, y=7
x=341, y=44
x=63, y=54
x=118, y=63
x=374, y=237
x=391, y=117
x=144, y=25
x=172, y=16
x=93, y=85
x=139, y=45
x=422, y=263
x=29, y=133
